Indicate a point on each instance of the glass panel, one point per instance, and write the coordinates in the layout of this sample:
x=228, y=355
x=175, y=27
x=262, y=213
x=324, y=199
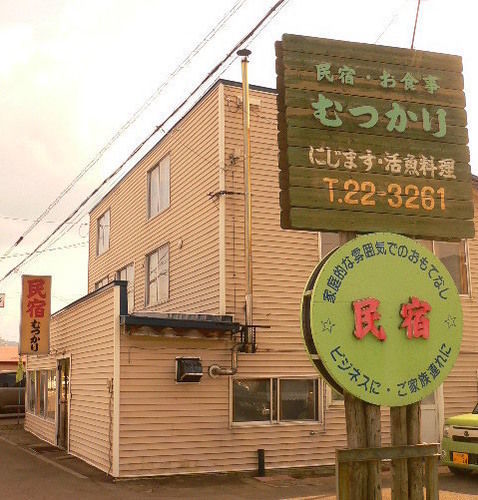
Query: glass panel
x=42, y=392
x=51, y=398
x=164, y=184
x=153, y=192
x=251, y=400
x=103, y=233
x=31, y=391
x=336, y=396
x=298, y=400
x=163, y=278
x=453, y=256
x=153, y=278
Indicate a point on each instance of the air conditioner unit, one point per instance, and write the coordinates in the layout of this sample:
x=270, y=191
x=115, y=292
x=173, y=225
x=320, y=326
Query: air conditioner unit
x=188, y=369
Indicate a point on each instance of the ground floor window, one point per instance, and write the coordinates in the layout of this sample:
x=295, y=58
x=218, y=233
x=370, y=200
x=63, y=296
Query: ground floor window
x=41, y=386
x=276, y=400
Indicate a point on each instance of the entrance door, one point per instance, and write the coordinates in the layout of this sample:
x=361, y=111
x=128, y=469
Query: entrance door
x=430, y=427
x=63, y=402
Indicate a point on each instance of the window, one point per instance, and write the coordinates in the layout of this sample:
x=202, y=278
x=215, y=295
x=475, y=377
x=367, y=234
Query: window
x=336, y=397
x=103, y=233
x=452, y=253
x=157, y=276
x=127, y=274
x=275, y=400
x=252, y=400
x=42, y=376
x=158, y=187
x=42, y=393
x=101, y=283
x=51, y=395
x=298, y=399
x=453, y=256
x=31, y=391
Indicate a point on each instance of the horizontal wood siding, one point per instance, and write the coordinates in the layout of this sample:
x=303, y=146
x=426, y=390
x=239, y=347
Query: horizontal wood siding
x=40, y=427
x=189, y=225
x=461, y=387
x=84, y=331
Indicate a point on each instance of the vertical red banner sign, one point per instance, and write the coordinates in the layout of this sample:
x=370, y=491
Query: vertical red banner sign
x=35, y=315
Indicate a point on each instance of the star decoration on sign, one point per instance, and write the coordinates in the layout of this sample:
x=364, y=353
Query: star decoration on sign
x=450, y=321
x=327, y=325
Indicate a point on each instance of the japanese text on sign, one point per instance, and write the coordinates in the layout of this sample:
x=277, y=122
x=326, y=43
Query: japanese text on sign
x=35, y=314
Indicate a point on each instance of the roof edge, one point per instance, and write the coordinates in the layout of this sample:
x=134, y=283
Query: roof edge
x=227, y=83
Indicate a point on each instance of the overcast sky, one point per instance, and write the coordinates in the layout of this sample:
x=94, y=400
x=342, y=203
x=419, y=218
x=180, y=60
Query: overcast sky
x=73, y=72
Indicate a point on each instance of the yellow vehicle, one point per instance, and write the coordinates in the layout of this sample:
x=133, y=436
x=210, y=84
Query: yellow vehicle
x=460, y=443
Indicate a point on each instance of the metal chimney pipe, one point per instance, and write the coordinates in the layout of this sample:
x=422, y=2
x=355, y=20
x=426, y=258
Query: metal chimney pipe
x=244, y=53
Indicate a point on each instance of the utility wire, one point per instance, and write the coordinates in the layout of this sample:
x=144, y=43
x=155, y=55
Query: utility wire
x=264, y=21
x=392, y=20
x=64, y=247
x=129, y=122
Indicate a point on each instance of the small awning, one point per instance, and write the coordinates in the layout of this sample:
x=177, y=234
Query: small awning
x=179, y=325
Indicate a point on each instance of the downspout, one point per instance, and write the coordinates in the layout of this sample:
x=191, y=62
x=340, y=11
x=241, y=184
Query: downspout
x=216, y=370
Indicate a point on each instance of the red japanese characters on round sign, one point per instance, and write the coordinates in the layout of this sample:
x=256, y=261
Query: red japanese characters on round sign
x=385, y=319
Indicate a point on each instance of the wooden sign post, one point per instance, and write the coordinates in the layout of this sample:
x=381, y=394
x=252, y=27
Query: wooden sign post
x=381, y=330
x=374, y=139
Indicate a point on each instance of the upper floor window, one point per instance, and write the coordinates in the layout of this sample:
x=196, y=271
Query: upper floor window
x=103, y=233
x=157, y=276
x=127, y=274
x=452, y=254
x=101, y=282
x=158, y=187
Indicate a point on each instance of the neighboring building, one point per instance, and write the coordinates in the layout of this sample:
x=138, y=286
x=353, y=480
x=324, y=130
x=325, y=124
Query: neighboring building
x=8, y=357
x=166, y=295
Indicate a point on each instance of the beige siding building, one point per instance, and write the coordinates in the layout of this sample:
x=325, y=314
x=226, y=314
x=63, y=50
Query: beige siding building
x=111, y=391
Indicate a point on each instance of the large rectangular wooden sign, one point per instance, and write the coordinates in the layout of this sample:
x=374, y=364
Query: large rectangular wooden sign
x=35, y=318
x=372, y=138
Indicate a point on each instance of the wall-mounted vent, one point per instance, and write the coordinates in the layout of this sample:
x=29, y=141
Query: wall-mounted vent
x=188, y=369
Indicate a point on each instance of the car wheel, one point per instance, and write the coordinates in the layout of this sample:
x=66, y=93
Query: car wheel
x=459, y=471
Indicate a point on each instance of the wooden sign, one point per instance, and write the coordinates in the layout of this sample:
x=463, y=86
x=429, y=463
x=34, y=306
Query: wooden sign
x=385, y=319
x=35, y=315
x=372, y=138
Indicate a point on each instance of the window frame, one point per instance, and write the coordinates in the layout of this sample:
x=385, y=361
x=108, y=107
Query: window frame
x=98, y=253
x=157, y=165
x=147, y=297
x=130, y=289
x=344, y=237
x=98, y=284
x=467, y=264
x=37, y=376
x=274, y=392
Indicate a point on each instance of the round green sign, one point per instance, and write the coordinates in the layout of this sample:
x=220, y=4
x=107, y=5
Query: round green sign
x=385, y=318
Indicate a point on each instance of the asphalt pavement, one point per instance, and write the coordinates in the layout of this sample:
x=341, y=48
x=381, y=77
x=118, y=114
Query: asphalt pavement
x=32, y=470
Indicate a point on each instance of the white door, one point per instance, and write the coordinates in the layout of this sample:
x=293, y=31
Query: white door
x=430, y=423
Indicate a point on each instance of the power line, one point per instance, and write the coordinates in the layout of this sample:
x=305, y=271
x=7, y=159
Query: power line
x=264, y=21
x=130, y=121
x=24, y=219
x=64, y=247
x=392, y=20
